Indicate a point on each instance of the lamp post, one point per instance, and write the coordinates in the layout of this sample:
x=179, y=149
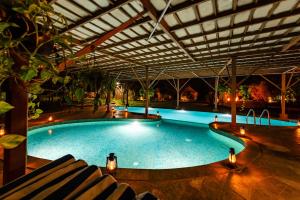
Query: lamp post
x=216, y=118
x=232, y=158
x=242, y=130
x=111, y=164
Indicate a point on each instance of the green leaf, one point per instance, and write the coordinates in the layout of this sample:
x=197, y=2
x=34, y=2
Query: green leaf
x=29, y=75
x=39, y=111
x=11, y=141
x=35, y=88
x=4, y=107
x=19, y=10
x=55, y=79
x=5, y=25
x=67, y=80
x=79, y=93
x=45, y=75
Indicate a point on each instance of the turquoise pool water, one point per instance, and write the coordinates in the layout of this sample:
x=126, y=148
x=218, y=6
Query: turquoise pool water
x=204, y=117
x=146, y=145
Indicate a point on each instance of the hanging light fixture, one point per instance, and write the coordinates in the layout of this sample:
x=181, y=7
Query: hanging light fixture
x=242, y=130
x=111, y=164
x=216, y=118
x=50, y=118
x=232, y=157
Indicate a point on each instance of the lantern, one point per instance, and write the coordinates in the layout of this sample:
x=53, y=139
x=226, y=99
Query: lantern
x=2, y=131
x=242, y=130
x=228, y=99
x=126, y=109
x=232, y=157
x=236, y=98
x=50, y=118
x=216, y=118
x=298, y=123
x=157, y=114
x=111, y=164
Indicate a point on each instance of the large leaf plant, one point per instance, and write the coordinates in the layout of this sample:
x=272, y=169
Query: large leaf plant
x=29, y=45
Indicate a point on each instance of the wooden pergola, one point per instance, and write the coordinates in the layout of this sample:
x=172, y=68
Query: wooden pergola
x=192, y=39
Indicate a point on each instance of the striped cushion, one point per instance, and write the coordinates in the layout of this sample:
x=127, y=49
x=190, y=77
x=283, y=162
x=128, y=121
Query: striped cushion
x=33, y=189
x=72, y=186
x=123, y=192
x=100, y=188
x=36, y=175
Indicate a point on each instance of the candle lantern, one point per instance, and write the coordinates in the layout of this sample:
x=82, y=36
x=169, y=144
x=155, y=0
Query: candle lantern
x=216, y=118
x=50, y=119
x=2, y=131
x=157, y=114
x=232, y=157
x=242, y=130
x=111, y=164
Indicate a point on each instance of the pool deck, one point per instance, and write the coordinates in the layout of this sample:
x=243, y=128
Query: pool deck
x=268, y=168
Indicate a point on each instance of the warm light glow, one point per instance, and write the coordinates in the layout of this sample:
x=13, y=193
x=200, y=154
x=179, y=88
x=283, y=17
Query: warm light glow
x=215, y=126
x=298, y=123
x=242, y=130
x=126, y=115
x=270, y=100
x=2, y=131
x=236, y=98
x=228, y=99
x=111, y=163
x=50, y=119
x=50, y=131
x=232, y=157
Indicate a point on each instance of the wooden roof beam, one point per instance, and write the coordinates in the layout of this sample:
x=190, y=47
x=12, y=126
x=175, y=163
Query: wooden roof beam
x=165, y=27
x=91, y=47
x=95, y=15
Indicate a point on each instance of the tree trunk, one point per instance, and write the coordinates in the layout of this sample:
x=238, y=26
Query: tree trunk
x=15, y=123
x=107, y=102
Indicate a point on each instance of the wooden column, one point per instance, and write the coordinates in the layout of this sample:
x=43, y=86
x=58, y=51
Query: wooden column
x=177, y=94
x=283, y=115
x=147, y=92
x=15, y=123
x=233, y=93
x=216, y=93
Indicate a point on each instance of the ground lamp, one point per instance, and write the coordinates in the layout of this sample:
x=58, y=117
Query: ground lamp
x=216, y=118
x=242, y=130
x=111, y=164
x=232, y=158
x=2, y=131
x=50, y=119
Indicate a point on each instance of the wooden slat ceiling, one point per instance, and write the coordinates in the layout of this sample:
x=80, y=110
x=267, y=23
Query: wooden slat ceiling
x=195, y=38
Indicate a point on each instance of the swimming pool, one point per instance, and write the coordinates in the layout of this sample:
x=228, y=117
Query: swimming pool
x=161, y=144
x=203, y=117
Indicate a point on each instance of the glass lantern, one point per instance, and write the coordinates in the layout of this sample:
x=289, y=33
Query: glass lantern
x=111, y=164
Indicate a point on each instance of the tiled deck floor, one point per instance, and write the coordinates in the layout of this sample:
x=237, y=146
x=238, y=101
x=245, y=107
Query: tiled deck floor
x=270, y=169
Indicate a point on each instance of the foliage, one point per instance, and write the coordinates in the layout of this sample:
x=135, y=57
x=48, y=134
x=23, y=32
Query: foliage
x=27, y=37
x=11, y=141
x=259, y=92
x=244, y=92
x=4, y=107
x=150, y=92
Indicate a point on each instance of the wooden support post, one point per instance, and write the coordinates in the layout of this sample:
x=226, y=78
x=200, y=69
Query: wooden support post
x=177, y=94
x=283, y=115
x=233, y=93
x=147, y=92
x=216, y=93
x=14, y=164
